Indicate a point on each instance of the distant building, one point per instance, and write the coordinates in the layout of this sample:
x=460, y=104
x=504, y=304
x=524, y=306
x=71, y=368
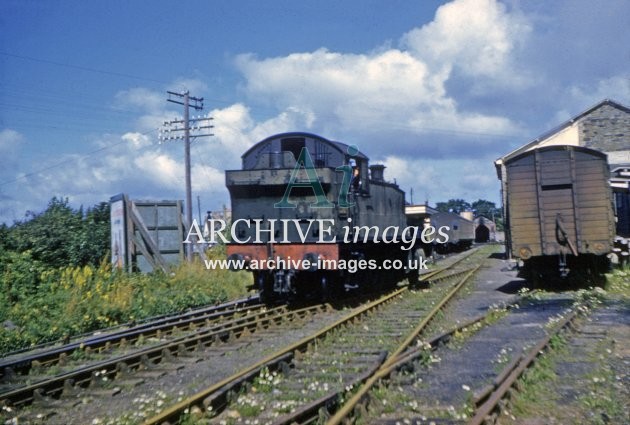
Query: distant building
x=485, y=230
x=604, y=127
x=418, y=214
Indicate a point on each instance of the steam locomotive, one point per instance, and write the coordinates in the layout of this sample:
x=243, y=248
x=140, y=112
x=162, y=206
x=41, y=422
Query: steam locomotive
x=312, y=217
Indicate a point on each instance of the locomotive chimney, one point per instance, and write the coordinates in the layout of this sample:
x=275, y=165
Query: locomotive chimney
x=377, y=172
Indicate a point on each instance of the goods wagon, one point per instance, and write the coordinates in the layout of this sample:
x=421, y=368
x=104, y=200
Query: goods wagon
x=559, y=211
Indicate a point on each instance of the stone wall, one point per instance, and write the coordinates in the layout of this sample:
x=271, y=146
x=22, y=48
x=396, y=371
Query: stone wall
x=607, y=129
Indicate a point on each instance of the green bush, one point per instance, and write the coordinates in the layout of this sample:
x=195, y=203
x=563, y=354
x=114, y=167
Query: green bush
x=54, y=282
x=72, y=300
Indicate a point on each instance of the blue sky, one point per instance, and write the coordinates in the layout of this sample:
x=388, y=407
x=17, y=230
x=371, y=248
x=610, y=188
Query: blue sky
x=434, y=90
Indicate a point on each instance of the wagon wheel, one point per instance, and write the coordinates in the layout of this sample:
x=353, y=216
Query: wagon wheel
x=536, y=279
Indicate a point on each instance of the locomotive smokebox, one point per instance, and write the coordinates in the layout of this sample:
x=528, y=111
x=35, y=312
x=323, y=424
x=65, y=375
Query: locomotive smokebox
x=377, y=172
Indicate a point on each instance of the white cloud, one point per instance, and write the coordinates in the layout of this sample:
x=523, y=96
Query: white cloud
x=143, y=168
x=151, y=106
x=10, y=142
x=412, y=173
x=192, y=85
x=208, y=179
x=615, y=88
x=137, y=140
x=160, y=169
x=577, y=98
x=482, y=77
x=402, y=90
x=387, y=101
x=440, y=180
x=364, y=93
x=142, y=98
x=344, y=87
x=477, y=37
x=231, y=125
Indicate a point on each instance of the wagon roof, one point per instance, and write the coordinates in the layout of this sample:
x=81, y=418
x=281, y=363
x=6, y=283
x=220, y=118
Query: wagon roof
x=557, y=148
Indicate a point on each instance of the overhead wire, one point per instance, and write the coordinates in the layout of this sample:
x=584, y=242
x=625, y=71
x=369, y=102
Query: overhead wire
x=44, y=98
x=74, y=158
x=82, y=68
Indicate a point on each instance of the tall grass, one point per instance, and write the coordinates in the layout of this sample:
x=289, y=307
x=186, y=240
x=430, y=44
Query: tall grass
x=73, y=300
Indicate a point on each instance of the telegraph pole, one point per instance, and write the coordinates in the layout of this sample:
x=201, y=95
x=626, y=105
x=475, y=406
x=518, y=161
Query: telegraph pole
x=174, y=133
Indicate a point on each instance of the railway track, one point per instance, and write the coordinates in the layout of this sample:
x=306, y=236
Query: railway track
x=489, y=400
x=304, y=372
x=20, y=362
x=146, y=360
x=408, y=348
x=123, y=365
x=464, y=383
x=50, y=381
x=138, y=324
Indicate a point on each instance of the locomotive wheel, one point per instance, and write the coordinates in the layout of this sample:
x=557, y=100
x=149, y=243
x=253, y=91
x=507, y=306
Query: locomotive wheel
x=324, y=288
x=265, y=287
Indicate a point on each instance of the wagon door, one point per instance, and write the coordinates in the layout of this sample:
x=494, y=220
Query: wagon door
x=594, y=199
x=555, y=174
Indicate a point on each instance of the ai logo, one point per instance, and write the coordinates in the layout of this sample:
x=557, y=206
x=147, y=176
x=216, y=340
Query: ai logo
x=312, y=180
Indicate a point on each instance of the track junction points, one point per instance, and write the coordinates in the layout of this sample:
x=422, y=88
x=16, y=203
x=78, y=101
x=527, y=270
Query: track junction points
x=451, y=348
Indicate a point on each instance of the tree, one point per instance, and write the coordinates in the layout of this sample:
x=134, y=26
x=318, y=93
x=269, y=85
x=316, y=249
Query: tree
x=51, y=235
x=4, y=236
x=484, y=208
x=453, y=205
x=480, y=207
x=94, y=239
x=488, y=209
x=61, y=236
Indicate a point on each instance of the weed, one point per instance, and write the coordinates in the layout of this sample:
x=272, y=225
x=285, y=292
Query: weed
x=72, y=300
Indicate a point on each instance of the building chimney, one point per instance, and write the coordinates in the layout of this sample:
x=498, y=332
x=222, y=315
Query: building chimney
x=468, y=215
